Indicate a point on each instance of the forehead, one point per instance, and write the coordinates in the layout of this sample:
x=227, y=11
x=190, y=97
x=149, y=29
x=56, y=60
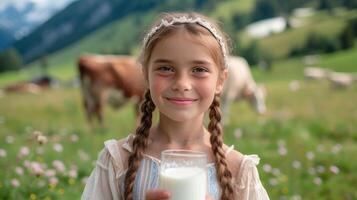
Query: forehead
x=182, y=47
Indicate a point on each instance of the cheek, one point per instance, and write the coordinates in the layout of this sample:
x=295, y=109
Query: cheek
x=207, y=90
x=157, y=84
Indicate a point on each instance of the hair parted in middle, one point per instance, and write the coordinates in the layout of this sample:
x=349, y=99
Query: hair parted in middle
x=199, y=33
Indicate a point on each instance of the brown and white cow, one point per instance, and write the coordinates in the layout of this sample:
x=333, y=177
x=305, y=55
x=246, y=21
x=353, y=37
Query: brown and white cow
x=104, y=77
x=240, y=85
x=34, y=86
x=23, y=87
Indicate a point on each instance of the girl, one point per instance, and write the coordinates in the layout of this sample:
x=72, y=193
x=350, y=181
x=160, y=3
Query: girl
x=184, y=64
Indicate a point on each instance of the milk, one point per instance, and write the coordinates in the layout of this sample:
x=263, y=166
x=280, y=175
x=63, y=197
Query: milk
x=184, y=183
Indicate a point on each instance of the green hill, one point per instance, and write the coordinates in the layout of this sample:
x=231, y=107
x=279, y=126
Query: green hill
x=322, y=23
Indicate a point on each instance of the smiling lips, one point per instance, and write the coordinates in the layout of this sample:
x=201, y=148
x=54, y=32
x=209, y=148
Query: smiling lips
x=181, y=101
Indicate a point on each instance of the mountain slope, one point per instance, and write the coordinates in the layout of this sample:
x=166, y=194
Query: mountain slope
x=13, y=23
x=6, y=38
x=110, y=39
x=83, y=17
x=79, y=19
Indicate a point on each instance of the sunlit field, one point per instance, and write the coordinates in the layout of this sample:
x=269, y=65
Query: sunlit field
x=307, y=141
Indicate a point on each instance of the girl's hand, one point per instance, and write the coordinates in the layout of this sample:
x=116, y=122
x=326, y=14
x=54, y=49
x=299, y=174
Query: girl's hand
x=157, y=194
x=161, y=194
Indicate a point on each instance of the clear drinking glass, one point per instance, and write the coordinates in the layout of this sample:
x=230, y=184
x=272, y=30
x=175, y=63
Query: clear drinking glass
x=184, y=174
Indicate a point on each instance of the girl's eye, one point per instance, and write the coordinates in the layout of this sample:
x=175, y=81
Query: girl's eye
x=200, y=70
x=165, y=69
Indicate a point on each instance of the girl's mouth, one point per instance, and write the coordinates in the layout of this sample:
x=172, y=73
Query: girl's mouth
x=181, y=101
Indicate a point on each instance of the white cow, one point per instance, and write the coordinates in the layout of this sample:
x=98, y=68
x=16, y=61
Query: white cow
x=316, y=73
x=241, y=85
x=340, y=80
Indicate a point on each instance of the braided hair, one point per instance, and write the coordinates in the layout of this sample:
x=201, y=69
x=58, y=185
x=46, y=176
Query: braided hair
x=224, y=175
x=139, y=144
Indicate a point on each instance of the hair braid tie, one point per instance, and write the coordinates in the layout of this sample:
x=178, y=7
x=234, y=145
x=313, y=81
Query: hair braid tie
x=223, y=174
x=139, y=144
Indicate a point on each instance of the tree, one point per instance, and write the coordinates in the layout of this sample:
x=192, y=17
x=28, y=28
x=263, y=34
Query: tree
x=44, y=65
x=263, y=10
x=251, y=52
x=347, y=37
x=240, y=20
x=350, y=4
x=10, y=60
x=326, y=5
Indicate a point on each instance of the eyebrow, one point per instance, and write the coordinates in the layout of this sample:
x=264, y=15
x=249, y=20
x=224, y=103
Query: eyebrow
x=199, y=62
x=160, y=60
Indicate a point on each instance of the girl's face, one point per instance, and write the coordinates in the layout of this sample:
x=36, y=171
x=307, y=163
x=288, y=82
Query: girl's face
x=182, y=77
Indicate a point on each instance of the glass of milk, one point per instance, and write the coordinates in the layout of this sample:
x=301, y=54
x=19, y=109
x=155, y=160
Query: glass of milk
x=183, y=173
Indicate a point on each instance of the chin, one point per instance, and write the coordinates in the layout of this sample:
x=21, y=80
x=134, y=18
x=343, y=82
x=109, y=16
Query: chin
x=179, y=116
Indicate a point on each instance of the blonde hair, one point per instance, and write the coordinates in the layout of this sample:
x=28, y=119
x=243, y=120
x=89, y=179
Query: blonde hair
x=199, y=32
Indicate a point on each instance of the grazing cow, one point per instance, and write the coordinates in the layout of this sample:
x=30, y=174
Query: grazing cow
x=294, y=85
x=113, y=79
x=34, y=86
x=241, y=85
x=24, y=87
x=45, y=81
x=340, y=80
x=316, y=73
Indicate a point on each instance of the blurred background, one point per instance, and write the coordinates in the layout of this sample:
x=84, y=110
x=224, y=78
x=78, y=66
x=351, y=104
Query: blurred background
x=303, y=52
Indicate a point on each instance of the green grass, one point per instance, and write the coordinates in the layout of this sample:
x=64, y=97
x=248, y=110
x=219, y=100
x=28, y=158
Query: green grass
x=12, y=76
x=292, y=69
x=59, y=115
x=315, y=119
x=344, y=61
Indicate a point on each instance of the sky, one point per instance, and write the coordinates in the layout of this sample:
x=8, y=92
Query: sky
x=41, y=4
x=43, y=8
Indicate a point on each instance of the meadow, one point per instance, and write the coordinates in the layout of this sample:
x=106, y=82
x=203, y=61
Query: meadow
x=306, y=141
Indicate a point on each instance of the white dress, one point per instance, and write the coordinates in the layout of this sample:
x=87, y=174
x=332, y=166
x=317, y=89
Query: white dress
x=107, y=179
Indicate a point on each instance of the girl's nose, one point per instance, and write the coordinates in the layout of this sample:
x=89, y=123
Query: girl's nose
x=181, y=83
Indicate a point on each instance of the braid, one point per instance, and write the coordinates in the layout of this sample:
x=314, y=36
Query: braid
x=139, y=144
x=223, y=173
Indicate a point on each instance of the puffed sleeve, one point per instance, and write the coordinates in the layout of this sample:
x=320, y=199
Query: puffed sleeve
x=103, y=181
x=247, y=183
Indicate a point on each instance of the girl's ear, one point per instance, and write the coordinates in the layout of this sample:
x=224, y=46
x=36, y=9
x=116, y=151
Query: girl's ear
x=221, y=79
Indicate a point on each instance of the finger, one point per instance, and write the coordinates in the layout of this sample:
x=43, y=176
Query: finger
x=208, y=198
x=157, y=194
